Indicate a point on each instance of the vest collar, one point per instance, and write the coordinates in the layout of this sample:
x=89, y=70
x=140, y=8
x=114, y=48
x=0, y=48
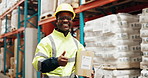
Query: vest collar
x=57, y=33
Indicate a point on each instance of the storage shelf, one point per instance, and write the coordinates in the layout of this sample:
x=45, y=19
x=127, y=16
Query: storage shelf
x=93, y=4
x=81, y=8
x=134, y=8
x=1, y=41
x=12, y=33
x=12, y=8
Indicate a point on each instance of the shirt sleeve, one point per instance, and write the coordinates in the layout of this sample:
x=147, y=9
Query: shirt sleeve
x=49, y=64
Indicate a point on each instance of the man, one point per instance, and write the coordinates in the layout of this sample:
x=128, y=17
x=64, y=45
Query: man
x=55, y=54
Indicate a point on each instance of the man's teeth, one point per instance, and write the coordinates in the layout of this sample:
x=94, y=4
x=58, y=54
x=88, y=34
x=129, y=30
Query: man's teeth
x=65, y=24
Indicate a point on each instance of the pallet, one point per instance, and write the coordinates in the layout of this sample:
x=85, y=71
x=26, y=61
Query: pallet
x=121, y=66
x=45, y=16
x=13, y=29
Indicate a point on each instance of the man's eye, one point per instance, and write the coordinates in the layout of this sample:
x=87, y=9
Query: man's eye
x=65, y=17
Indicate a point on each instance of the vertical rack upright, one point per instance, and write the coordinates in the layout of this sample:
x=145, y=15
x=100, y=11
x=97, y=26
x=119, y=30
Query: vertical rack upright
x=39, y=30
x=18, y=33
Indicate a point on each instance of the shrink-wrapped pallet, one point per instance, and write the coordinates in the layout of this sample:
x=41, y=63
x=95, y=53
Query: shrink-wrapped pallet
x=1, y=61
x=3, y=7
x=144, y=73
x=74, y=3
x=143, y=19
x=48, y=12
x=5, y=24
x=14, y=19
x=17, y=60
x=31, y=43
x=115, y=40
x=145, y=11
x=100, y=73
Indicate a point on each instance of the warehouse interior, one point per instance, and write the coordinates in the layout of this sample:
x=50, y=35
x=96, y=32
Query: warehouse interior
x=115, y=30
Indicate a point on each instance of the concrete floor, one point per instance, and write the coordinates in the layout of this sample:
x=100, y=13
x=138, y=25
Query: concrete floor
x=3, y=76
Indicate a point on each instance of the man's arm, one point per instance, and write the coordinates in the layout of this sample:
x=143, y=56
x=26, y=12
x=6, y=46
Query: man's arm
x=52, y=63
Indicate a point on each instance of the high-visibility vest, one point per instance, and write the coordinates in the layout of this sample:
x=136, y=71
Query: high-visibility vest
x=54, y=45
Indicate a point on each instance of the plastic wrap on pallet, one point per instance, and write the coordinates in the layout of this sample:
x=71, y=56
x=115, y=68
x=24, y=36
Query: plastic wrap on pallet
x=3, y=6
x=1, y=61
x=115, y=40
x=143, y=19
x=144, y=73
x=4, y=26
x=74, y=3
x=144, y=26
x=143, y=64
x=145, y=11
x=101, y=73
x=31, y=43
x=51, y=4
x=14, y=19
x=20, y=61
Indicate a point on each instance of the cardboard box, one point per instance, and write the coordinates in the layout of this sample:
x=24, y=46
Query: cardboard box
x=84, y=63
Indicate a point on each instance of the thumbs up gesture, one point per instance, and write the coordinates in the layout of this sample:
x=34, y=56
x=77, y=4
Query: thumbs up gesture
x=62, y=60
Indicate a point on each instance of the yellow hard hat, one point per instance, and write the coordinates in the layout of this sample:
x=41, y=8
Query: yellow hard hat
x=65, y=7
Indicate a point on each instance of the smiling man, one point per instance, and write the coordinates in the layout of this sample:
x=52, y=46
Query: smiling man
x=55, y=54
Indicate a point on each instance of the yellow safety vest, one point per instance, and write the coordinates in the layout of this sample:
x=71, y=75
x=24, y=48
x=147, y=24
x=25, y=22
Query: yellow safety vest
x=54, y=45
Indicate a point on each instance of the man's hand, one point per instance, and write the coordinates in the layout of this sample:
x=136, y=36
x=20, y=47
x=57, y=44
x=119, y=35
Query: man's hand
x=62, y=60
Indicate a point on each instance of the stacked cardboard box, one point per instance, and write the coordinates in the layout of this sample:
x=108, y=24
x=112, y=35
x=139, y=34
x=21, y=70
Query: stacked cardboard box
x=115, y=39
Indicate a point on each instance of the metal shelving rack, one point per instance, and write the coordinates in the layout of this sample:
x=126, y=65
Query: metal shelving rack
x=79, y=10
x=39, y=30
x=17, y=33
x=97, y=3
x=82, y=20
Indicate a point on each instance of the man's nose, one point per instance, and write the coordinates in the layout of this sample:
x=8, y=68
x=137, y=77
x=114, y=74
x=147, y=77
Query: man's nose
x=65, y=20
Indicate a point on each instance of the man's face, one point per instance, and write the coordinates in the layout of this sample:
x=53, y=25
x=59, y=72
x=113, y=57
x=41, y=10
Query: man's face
x=64, y=21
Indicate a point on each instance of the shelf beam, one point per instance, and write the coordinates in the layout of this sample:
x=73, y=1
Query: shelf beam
x=81, y=8
x=134, y=8
x=12, y=33
x=51, y=19
x=12, y=8
x=93, y=4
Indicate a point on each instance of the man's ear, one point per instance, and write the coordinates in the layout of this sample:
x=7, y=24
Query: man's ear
x=56, y=23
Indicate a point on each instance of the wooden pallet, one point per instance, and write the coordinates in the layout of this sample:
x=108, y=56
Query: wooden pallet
x=122, y=66
x=13, y=29
x=45, y=16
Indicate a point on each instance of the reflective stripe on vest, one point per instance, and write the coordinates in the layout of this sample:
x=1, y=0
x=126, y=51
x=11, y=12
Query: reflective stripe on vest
x=41, y=55
x=39, y=64
x=71, y=59
x=76, y=43
x=41, y=60
x=53, y=46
